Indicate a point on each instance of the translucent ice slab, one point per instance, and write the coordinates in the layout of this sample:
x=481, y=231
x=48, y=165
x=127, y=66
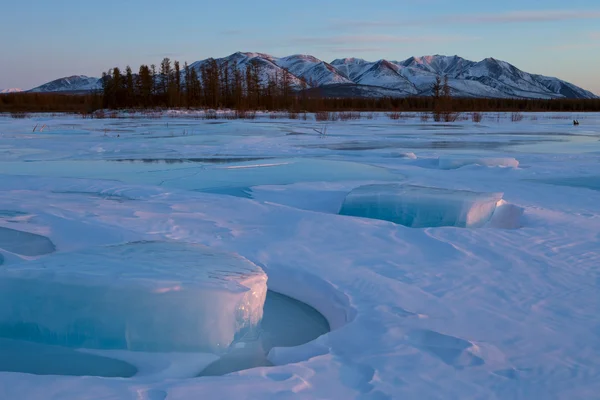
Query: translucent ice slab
x=146, y=296
x=421, y=207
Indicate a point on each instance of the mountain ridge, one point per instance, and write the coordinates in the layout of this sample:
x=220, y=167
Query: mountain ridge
x=490, y=77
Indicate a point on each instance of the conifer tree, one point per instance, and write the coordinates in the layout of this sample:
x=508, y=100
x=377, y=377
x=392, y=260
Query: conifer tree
x=177, y=84
x=145, y=86
x=154, y=83
x=129, y=87
x=186, y=80
x=118, y=88
x=165, y=76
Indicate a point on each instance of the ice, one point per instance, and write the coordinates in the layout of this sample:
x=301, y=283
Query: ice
x=232, y=179
x=146, y=296
x=39, y=359
x=421, y=207
x=454, y=162
x=25, y=243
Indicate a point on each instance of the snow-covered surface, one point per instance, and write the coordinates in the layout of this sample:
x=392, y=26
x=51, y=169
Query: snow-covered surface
x=453, y=162
x=414, y=76
x=505, y=311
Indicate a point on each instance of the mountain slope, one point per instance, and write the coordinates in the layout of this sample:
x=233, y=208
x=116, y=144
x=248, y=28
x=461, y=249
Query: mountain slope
x=269, y=69
x=312, y=70
x=381, y=73
x=76, y=83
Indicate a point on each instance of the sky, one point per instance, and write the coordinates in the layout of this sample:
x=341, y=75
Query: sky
x=42, y=40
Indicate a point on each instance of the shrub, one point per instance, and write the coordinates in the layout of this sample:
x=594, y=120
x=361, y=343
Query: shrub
x=349, y=116
x=326, y=116
x=19, y=115
x=516, y=117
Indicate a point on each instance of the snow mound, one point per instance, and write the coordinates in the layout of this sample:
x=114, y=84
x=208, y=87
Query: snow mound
x=421, y=207
x=506, y=216
x=454, y=162
x=144, y=296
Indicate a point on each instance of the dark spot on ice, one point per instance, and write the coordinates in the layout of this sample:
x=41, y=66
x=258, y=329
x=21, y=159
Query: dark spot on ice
x=279, y=377
x=11, y=214
x=242, y=192
x=510, y=373
x=206, y=160
x=25, y=243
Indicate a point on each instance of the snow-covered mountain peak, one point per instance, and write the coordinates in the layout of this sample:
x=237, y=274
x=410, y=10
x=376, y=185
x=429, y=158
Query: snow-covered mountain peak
x=10, y=90
x=74, y=83
x=349, y=60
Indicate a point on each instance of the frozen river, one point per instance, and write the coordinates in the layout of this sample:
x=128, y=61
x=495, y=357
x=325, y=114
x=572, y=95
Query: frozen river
x=425, y=260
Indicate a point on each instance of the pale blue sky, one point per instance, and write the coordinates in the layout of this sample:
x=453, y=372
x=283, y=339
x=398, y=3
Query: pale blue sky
x=41, y=40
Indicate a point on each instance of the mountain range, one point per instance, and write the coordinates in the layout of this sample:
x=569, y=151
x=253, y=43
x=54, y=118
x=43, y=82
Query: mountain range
x=490, y=77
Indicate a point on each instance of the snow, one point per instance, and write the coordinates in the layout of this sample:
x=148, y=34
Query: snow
x=505, y=311
x=10, y=90
x=146, y=296
x=452, y=162
x=421, y=207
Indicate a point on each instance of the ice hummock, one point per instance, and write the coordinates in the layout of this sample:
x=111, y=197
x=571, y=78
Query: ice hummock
x=145, y=296
x=421, y=207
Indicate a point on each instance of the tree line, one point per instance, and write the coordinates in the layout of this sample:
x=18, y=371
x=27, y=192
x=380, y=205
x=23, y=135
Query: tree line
x=211, y=85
